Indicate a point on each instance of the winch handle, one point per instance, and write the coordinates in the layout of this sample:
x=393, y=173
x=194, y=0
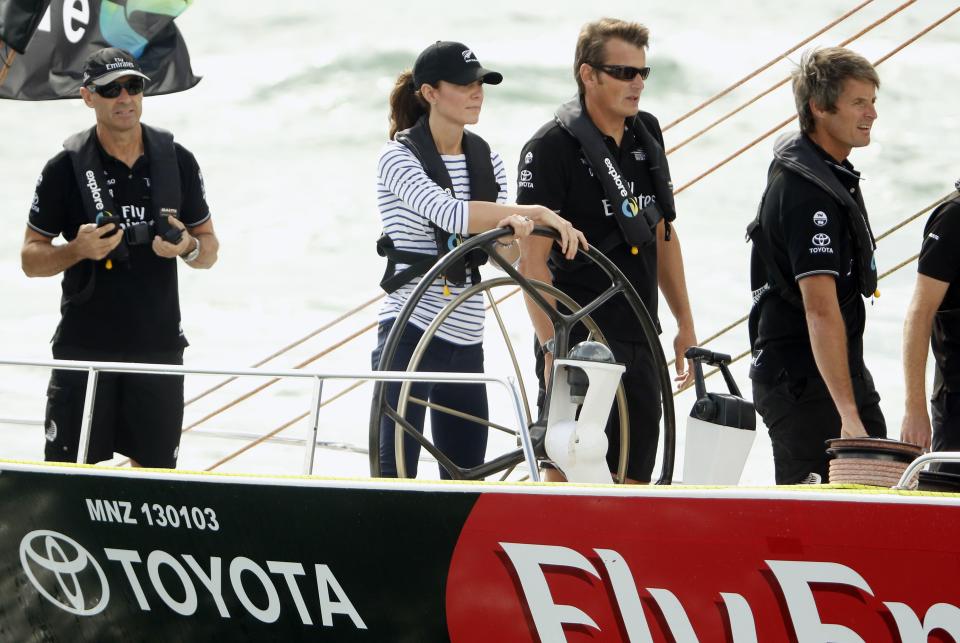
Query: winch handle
x=699, y=355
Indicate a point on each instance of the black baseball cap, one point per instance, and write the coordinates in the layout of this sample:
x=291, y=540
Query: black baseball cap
x=453, y=62
x=106, y=65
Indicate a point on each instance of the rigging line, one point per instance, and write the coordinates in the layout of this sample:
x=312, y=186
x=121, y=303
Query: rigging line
x=781, y=83
x=923, y=32
x=7, y=62
x=887, y=233
x=900, y=265
x=794, y=116
x=274, y=380
x=766, y=66
x=289, y=347
x=918, y=214
x=263, y=438
x=296, y=419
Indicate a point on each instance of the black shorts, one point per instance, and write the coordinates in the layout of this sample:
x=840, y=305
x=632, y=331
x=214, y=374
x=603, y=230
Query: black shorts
x=137, y=415
x=801, y=416
x=641, y=385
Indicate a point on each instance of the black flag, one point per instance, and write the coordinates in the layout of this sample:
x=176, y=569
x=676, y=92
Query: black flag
x=18, y=21
x=70, y=30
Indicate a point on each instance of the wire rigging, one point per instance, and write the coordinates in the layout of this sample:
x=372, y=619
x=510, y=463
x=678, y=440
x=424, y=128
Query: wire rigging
x=765, y=66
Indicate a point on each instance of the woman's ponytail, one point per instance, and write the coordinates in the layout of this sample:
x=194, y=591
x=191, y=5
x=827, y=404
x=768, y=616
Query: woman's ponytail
x=406, y=104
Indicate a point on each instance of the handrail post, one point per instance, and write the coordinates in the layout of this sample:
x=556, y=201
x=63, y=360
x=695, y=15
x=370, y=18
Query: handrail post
x=310, y=446
x=525, y=440
x=87, y=423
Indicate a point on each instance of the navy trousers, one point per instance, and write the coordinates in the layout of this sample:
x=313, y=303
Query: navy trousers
x=463, y=441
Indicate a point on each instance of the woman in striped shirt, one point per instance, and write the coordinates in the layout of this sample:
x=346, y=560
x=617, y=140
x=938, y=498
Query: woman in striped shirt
x=435, y=180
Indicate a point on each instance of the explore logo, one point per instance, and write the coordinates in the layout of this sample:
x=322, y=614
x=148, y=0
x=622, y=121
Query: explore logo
x=94, y=189
x=64, y=572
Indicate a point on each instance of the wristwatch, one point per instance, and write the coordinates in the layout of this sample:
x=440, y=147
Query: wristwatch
x=548, y=346
x=193, y=254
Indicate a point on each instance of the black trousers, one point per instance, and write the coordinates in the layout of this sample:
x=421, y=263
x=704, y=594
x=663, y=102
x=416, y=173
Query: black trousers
x=945, y=418
x=801, y=416
x=135, y=414
x=461, y=440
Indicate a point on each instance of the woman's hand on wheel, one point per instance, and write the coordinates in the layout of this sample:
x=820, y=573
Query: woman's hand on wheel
x=522, y=226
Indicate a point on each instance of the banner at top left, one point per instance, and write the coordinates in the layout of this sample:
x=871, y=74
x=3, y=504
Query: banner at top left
x=65, y=32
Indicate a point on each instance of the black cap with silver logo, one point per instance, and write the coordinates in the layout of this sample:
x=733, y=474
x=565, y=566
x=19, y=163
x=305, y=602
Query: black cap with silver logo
x=453, y=62
x=106, y=65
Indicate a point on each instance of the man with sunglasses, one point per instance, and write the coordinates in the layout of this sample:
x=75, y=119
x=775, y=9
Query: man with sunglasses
x=128, y=202
x=601, y=164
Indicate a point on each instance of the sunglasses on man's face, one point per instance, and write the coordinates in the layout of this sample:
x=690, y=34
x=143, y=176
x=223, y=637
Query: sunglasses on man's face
x=111, y=90
x=623, y=72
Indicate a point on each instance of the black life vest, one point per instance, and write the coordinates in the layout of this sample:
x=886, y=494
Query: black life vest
x=793, y=152
x=637, y=225
x=483, y=187
x=165, y=195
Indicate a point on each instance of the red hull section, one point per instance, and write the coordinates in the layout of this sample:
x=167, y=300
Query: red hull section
x=531, y=568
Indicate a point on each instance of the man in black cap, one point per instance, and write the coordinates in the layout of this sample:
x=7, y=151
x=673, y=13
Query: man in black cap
x=934, y=313
x=128, y=201
x=601, y=164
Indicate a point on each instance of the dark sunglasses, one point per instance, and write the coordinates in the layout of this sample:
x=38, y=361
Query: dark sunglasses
x=623, y=72
x=111, y=90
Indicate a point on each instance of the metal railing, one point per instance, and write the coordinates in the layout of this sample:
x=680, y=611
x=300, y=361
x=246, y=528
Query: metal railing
x=318, y=378
x=907, y=480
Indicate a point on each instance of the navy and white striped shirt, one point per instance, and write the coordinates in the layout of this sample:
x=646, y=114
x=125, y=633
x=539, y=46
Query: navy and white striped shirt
x=409, y=201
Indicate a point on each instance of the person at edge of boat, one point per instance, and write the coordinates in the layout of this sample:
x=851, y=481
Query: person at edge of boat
x=933, y=319
x=811, y=264
x=436, y=184
x=120, y=300
x=601, y=163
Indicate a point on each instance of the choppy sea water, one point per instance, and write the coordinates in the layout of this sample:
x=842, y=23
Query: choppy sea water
x=291, y=113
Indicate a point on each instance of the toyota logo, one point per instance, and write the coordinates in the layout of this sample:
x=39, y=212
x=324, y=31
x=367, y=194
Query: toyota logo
x=821, y=239
x=526, y=175
x=57, y=565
